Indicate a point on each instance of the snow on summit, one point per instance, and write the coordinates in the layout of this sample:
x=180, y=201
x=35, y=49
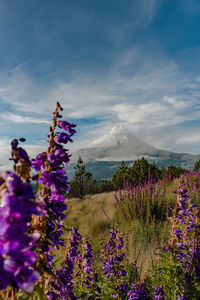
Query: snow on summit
x=118, y=144
x=116, y=136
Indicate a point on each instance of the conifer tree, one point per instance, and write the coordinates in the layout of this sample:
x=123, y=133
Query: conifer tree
x=82, y=182
x=121, y=175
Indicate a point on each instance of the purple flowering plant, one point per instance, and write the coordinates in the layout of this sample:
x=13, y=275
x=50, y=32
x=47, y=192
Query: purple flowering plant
x=31, y=230
x=114, y=265
x=145, y=201
x=31, y=225
x=139, y=291
x=77, y=277
x=17, y=255
x=178, y=260
x=53, y=185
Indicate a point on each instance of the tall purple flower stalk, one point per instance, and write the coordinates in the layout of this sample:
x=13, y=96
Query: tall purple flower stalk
x=179, y=259
x=63, y=288
x=144, y=201
x=17, y=257
x=184, y=238
x=113, y=262
x=85, y=276
x=53, y=182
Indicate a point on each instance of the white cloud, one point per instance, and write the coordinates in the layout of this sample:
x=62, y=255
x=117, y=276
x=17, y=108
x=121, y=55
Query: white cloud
x=22, y=92
x=168, y=111
x=192, y=137
x=94, y=95
x=23, y=119
x=136, y=90
x=177, y=139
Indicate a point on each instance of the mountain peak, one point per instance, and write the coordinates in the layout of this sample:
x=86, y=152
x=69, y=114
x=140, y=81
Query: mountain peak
x=119, y=144
x=117, y=135
x=118, y=130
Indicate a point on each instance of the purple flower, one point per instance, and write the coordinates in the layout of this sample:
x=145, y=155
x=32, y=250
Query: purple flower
x=53, y=184
x=62, y=137
x=120, y=243
x=39, y=162
x=67, y=126
x=57, y=180
x=138, y=292
x=17, y=257
x=14, y=144
x=65, y=274
x=159, y=293
x=183, y=245
x=113, y=261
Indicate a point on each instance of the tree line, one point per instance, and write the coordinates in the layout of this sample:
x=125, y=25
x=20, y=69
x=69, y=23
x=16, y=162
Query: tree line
x=83, y=182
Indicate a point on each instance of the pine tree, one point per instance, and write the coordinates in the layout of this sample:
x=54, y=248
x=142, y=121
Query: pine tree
x=82, y=182
x=121, y=175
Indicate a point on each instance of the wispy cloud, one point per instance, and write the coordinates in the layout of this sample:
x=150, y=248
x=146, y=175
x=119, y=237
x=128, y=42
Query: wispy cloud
x=150, y=7
x=23, y=119
x=168, y=111
x=144, y=97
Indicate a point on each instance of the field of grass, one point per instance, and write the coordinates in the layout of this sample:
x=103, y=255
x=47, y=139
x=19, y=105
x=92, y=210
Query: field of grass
x=156, y=224
x=96, y=214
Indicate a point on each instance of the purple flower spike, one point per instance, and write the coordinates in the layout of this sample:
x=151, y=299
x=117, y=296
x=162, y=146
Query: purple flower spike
x=65, y=274
x=183, y=249
x=53, y=184
x=17, y=257
x=113, y=257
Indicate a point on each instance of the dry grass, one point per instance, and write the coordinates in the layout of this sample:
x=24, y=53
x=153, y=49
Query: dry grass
x=95, y=214
x=89, y=215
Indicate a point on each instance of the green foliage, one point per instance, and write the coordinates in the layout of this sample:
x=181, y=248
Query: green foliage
x=196, y=165
x=175, y=171
x=105, y=186
x=138, y=172
x=82, y=183
x=121, y=175
x=141, y=171
x=177, y=258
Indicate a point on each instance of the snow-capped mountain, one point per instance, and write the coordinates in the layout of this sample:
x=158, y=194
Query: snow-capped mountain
x=119, y=144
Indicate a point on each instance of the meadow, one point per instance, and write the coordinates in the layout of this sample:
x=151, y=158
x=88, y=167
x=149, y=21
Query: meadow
x=138, y=242
x=96, y=214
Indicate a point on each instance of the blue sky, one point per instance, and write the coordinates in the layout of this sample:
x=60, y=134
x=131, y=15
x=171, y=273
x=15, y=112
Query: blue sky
x=108, y=62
